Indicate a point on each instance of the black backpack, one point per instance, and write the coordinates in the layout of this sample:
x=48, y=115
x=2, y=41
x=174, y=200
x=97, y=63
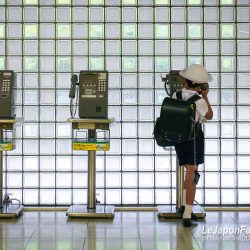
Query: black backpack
x=176, y=122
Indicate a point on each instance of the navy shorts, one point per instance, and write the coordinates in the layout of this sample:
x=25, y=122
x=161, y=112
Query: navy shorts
x=185, y=152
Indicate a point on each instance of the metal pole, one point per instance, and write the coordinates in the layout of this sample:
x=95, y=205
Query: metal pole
x=1, y=171
x=91, y=203
x=179, y=184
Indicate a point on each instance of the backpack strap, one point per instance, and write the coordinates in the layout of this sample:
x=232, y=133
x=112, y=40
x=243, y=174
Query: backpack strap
x=194, y=98
x=179, y=95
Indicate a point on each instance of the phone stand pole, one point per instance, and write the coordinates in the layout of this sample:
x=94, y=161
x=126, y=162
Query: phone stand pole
x=92, y=144
x=7, y=209
x=173, y=211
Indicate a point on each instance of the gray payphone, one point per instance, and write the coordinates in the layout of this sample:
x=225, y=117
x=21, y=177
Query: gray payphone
x=7, y=82
x=93, y=94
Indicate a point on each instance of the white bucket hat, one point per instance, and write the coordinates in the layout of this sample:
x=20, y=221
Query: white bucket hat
x=196, y=73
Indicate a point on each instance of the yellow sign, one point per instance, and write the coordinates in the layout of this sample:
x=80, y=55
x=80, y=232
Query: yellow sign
x=91, y=146
x=6, y=146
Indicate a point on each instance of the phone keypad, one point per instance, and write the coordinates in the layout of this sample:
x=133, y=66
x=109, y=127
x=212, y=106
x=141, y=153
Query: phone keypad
x=102, y=86
x=5, y=86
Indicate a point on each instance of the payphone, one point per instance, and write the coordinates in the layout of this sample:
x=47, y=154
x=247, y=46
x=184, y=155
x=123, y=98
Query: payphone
x=7, y=82
x=92, y=94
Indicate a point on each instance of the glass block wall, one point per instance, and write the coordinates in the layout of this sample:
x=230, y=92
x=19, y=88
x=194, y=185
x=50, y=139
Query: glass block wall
x=137, y=41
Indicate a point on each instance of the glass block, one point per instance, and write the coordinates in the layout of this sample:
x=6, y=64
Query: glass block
x=114, y=97
x=47, y=147
x=30, y=147
x=31, y=64
x=195, y=47
x=129, y=63
x=243, y=63
x=30, y=47
x=129, y=47
x=194, y=60
x=212, y=163
x=30, y=196
x=80, y=163
x=30, y=130
x=129, y=163
x=63, y=146
x=47, y=197
x=129, y=97
x=63, y=14
x=211, y=47
x=211, y=14
x=146, y=47
x=80, y=180
x=242, y=14
x=113, y=196
x=14, y=163
x=129, y=196
x=129, y=130
x=63, y=196
x=146, y=113
x=211, y=31
x=162, y=179
x=99, y=180
x=162, y=14
x=63, y=130
x=80, y=31
x=96, y=63
x=63, y=180
x=47, y=80
x=195, y=14
x=113, y=63
x=145, y=80
x=30, y=163
x=80, y=47
x=80, y=14
x=228, y=130
x=178, y=14
x=63, y=64
x=113, y=31
x=227, y=2
x=63, y=47
x=212, y=179
x=228, y=196
x=30, y=14
x=161, y=64
x=243, y=196
x=47, y=47
x=116, y=131
x=96, y=47
x=14, y=63
x=227, y=14
x=244, y=180
x=146, y=146
x=146, y=180
x=145, y=64
x=113, y=47
x=47, y=163
x=113, y=163
x=2, y=47
x=227, y=31
x=212, y=130
x=129, y=14
x=47, y=113
x=145, y=14
x=112, y=14
x=115, y=112
x=47, y=14
x=47, y=30
x=243, y=163
x=243, y=96
x=227, y=97
x=228, y=80
x=161, y=31
x=2, y=13
x=14, y=47
x=227, y=113
x=30, y=180
x=212, y=146
x=178, y=47
x=146, y=31
x=14, y=180
x=227, y=146
x=30, y=97
x=81, y=63
x=129, y=146
x=14, y=31
x=162, y=47
x=47, y=130
x=212, y=196
x=243, y=130
x=228, y=163
x=63, y=30
x=195, y=31
x=115, y=147
x=146, y=163
x=146, y=196
x=47, y=63
x=243, y=47
x=113, y=180
x=14, y=14
x=243, y=80
x=227, y=64
x=114, y=80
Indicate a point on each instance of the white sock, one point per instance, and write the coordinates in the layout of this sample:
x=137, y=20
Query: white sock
x=188, y=211
x=184, y=198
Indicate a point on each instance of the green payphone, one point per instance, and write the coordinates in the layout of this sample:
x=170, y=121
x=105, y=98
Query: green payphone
x=92, y=94
x=7, y=82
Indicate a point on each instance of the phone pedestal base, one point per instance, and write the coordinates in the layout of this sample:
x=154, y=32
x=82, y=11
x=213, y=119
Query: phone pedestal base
x=171, y=212
x=11, y=210
x=81, y=211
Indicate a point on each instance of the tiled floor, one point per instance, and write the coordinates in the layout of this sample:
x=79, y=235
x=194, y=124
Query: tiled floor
x=127, y=231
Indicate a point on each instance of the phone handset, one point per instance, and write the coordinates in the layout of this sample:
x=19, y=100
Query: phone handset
x=74, y=82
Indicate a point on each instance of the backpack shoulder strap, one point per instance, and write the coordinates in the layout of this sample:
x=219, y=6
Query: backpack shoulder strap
x=179, y=95
x=194, y=98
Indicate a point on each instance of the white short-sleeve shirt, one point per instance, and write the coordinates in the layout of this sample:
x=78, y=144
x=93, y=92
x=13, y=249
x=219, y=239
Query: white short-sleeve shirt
x=201, y=105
